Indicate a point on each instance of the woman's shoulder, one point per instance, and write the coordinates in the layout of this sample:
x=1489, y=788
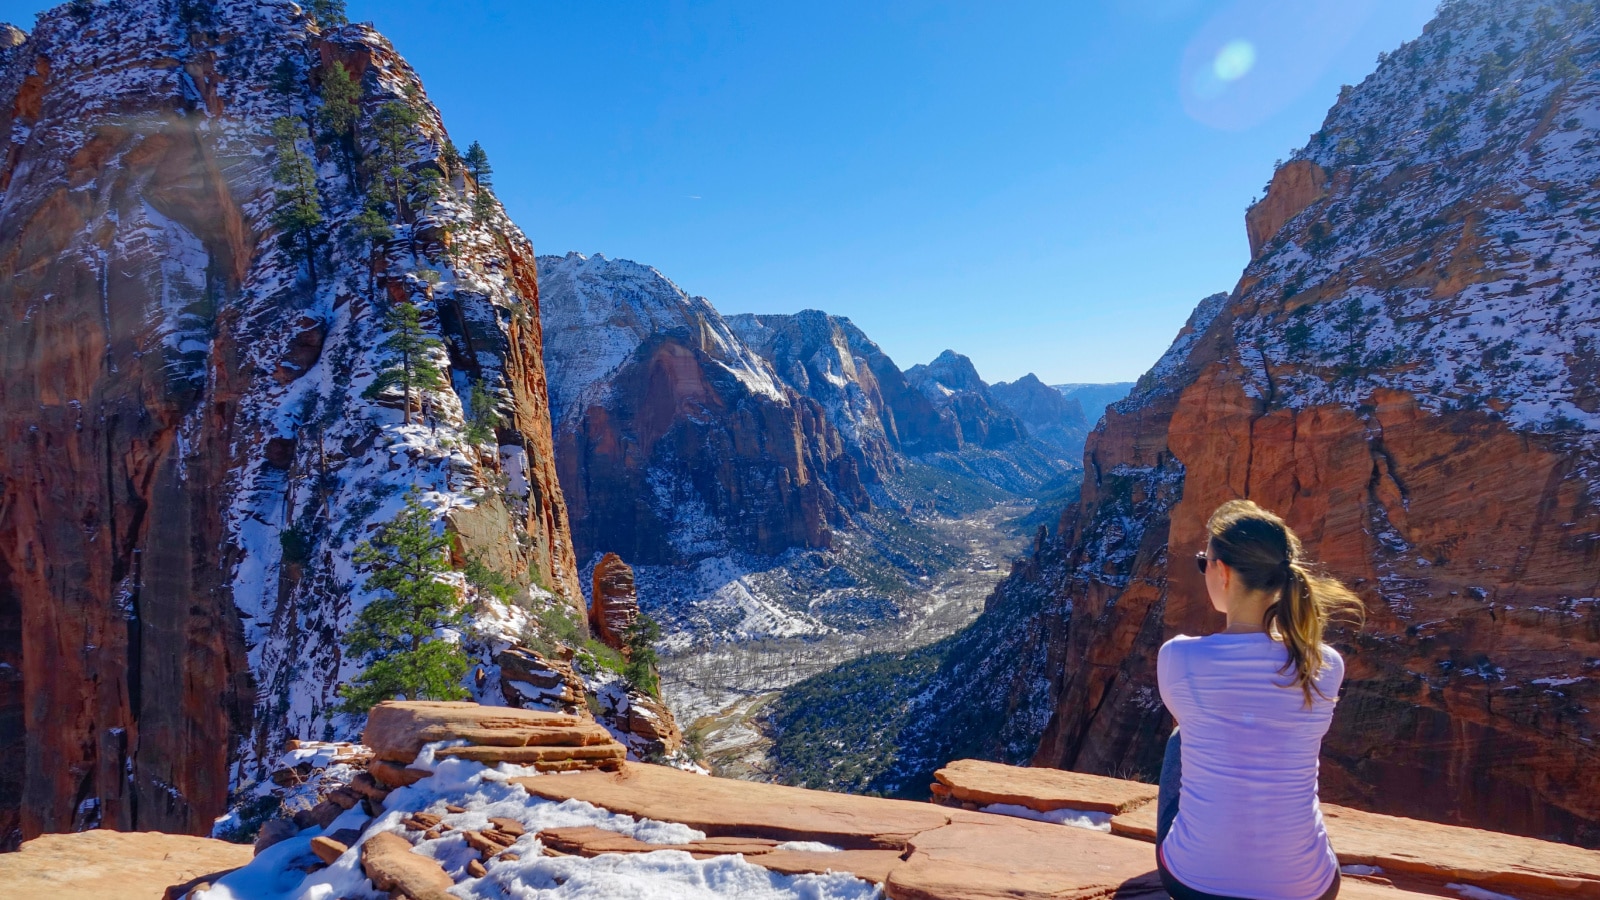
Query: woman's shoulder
x=1332, y=664
x=1178, y=643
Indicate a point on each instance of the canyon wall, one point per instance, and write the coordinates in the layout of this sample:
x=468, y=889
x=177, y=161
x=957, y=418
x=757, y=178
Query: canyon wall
x=1406, y=372
x=190, y=460
x=675, y=440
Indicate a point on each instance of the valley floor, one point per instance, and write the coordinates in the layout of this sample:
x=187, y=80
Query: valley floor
x=720, y=689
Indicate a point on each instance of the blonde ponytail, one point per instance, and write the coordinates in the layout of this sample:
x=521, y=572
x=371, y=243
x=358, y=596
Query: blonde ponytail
x=1266, y=554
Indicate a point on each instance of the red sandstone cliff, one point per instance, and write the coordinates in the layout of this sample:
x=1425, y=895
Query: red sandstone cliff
x=1406, y=371
x=674, y=440
x=188, y=460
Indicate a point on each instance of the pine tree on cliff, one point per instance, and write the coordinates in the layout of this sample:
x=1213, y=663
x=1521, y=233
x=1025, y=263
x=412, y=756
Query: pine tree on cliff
x=481, y=415
x=328, y=13
x=640, y=643
x=341, y=108
x=415, y=369
x=394, y=634
x=392, y=128
x=477, y=162
x=298, y=214
x=371, y=229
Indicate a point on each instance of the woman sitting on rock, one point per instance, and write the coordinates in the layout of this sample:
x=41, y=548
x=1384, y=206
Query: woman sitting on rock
x=1238, y=815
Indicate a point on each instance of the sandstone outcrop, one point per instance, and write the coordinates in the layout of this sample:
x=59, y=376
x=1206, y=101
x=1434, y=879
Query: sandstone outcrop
x=936, y=853
x=614, y=600
x=1041, y=790
x=1295, y=186
x=1402, y=373
x=194, y=460
x=1414, y=854
x=99, y=864
x=396, y=731
x=390, y=863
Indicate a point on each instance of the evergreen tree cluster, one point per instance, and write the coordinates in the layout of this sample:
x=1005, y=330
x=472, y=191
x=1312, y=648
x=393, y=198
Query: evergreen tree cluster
x=328, y=13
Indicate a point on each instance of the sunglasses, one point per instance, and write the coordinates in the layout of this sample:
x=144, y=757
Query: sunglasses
x=1200, y=561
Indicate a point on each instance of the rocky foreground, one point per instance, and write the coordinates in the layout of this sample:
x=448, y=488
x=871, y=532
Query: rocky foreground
x=560, y=813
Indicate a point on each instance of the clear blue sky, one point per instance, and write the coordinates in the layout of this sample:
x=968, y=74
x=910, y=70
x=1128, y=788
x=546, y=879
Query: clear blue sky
x=1044, y=186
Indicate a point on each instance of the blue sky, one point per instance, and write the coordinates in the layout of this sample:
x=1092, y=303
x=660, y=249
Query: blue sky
x=1044, y=186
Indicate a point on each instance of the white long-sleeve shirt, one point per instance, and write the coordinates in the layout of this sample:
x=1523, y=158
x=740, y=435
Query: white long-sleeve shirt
x=1249, y=824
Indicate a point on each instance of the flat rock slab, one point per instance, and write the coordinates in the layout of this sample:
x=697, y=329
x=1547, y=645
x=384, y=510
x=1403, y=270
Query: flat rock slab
x=397, y=730
x=1043, y=790
x=528, y=756
x=1440, y=854
x=1138, y=823
x=95, y=865
x=588, y=841
x=391, y=864
x=868, y=865
x=723, y=807
x=1412, y=852
x=980, y=857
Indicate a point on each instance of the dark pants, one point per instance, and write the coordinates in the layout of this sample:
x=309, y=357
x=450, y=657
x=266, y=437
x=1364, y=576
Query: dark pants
x=1167, y=811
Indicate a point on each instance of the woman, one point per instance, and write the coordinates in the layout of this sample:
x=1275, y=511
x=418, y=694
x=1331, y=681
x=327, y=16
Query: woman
x=1237, y=815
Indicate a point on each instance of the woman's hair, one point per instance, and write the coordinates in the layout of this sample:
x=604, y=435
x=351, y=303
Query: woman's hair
x=1266, y=554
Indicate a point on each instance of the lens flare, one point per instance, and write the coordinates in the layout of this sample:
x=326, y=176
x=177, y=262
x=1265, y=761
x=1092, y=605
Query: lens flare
x=1234, y=60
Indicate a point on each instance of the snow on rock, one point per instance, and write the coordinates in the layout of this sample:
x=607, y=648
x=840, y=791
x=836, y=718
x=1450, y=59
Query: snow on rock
x=192, y=388
x=482, y=794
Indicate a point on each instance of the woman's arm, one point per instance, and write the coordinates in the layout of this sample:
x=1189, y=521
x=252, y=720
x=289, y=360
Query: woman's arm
x=1167, y=675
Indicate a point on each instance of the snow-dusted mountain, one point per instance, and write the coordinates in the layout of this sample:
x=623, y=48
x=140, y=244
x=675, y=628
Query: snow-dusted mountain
x=193, y=453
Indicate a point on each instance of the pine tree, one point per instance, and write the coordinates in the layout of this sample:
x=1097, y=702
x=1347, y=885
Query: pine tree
x=341, y=109
x=328, y=13
x=482, y=206
x=450, y=156
x=415, y=369
x=285, y=75
x=392, y=128
x=371, y=228
x=394, y=634
x=481, y=415
x=639, y=644
x=477, y=160
x=299, y=211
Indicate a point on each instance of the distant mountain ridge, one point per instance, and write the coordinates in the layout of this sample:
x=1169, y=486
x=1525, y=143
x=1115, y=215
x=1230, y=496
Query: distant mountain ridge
x=682, y=434
x=1094, y=398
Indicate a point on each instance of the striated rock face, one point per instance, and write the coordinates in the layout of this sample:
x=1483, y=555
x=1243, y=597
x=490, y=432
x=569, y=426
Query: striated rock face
x=676, y=440
x=827, y=359
x=189, y=461
x=1406, y=373
x=614, y=601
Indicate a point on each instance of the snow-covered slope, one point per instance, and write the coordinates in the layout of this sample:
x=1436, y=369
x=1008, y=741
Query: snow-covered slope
x=190, y=398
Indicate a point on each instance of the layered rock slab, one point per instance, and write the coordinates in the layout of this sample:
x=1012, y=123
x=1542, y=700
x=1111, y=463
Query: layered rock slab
x=726, y=808
x=1041, y=790
x=1418, y=854
x=397, y=730
x=95, y=865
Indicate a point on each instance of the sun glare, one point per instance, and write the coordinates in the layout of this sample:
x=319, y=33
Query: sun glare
x=1234, y=60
